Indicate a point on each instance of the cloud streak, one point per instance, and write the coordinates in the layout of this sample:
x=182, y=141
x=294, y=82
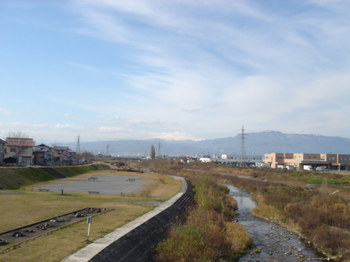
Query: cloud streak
x=183, y=69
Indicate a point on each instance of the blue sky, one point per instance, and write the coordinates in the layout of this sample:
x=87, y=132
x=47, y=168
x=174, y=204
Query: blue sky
x=173, y=69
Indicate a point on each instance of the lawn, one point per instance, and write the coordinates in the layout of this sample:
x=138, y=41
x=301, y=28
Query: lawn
x=25, y=206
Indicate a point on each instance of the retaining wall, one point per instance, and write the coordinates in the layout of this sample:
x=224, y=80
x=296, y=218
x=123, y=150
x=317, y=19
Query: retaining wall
x=136, y=240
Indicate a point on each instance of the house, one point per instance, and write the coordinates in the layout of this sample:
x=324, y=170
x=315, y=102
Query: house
x=2, y=150
x=20, y=150
x=43, y=155
x=63, y=155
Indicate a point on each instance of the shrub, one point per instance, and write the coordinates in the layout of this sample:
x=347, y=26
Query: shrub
x=237, y=235
x=187, y=243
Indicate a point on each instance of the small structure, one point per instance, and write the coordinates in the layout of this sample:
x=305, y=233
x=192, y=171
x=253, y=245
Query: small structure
x=2, y=150
x=20, y=149
x=205, y=159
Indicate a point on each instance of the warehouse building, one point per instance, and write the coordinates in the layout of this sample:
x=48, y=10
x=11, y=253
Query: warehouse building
x=306, y=161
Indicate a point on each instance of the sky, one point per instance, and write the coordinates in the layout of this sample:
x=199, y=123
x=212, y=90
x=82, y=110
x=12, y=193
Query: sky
x=173, y=69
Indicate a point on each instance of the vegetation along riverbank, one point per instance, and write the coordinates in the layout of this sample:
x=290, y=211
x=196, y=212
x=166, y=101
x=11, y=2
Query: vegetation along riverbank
x=316, y=205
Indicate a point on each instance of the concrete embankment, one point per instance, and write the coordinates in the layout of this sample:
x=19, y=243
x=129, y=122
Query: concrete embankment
x=136, y=240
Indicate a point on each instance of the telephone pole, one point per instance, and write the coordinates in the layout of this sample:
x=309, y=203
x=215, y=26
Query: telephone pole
x=243, y=153
x=159, y=155
x=107, y=149
x=78, y=146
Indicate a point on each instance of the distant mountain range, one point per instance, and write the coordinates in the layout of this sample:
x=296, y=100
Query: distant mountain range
x=255, y=144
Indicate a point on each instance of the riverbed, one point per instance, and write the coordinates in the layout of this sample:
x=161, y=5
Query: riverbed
x=271, y=242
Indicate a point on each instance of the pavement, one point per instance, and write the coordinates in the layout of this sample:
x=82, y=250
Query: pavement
x=102, y=184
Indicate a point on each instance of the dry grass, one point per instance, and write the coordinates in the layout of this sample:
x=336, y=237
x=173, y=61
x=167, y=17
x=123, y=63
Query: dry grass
x=27, y=206
x=322, y=215
x=208, y=233
x=159, y=186
x=58, y=244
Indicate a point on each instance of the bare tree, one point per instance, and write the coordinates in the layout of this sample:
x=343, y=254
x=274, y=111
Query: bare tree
x=17, y=134
x=87, y=156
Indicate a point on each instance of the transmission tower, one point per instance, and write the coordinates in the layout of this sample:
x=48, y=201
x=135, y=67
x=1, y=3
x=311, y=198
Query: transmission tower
x=243, y=153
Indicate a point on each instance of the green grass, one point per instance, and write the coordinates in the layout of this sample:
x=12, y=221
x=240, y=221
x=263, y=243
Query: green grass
x=73, y=171
x=16, y=177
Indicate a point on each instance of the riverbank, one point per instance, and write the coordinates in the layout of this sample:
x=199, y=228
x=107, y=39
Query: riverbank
x=313, y=216
x=314, y=204
x=271, y=242
x=209, y=233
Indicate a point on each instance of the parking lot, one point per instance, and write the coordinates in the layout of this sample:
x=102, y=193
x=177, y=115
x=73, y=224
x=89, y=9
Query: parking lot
x=102, y=184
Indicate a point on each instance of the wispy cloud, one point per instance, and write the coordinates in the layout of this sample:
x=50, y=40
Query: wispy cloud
x=110, y=129
x=254, y=62
x=4, y=111
x=89, y=68
x=67, y=126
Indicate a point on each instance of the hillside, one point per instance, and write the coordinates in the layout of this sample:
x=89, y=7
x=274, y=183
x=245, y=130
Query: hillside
x=16, y=177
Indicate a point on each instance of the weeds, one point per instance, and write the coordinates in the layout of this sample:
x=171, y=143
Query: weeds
x=208, y=234
x=320, y=215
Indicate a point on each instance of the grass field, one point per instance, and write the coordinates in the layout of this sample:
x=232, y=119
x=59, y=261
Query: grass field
x=26, y=206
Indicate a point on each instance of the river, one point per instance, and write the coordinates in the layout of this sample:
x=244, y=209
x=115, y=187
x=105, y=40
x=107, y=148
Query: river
x=270, y=241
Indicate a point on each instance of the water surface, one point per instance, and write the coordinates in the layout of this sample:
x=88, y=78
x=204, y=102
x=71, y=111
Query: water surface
x=270, y=241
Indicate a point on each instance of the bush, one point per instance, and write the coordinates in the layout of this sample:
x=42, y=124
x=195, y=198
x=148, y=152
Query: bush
x=187, y=243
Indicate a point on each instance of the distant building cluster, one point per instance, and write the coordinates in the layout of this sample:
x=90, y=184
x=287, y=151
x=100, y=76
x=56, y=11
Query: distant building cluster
x=23, y=151
x=305, y=161
x=235, y=160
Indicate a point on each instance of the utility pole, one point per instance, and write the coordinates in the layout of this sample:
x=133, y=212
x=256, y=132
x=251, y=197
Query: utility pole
x=79, y=159
x=159, y=155
x=78, y=145
x=243, y=153
x=107, y=149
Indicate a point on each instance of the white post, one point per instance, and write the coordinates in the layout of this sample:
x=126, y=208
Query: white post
x=88, y=220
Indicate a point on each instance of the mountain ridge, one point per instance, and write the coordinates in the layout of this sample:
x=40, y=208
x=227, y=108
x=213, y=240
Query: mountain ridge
x=256, y=143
